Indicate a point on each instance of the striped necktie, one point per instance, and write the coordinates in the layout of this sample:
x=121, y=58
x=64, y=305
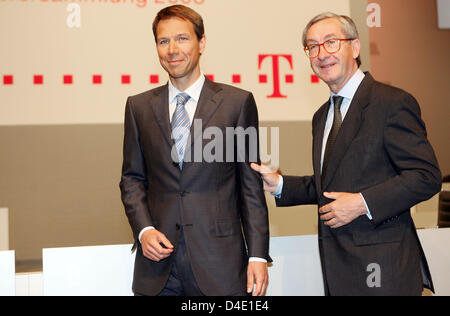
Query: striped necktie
x=181, y=126
x=337, y=122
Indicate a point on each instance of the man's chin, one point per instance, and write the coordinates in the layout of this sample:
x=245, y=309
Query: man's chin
x=177, y=75
x=174, y=72
x=327, y=77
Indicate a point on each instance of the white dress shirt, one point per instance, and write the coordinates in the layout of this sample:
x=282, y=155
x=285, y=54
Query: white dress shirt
x=194, y=92
x=347, y=92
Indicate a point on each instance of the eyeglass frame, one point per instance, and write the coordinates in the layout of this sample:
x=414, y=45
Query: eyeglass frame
x=323, y=44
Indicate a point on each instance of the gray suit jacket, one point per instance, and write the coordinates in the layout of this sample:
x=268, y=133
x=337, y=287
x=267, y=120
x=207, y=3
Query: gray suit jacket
x=382, y=151
x=219, y=206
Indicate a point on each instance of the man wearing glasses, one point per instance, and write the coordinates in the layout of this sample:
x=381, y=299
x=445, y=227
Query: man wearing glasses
x=372, y=163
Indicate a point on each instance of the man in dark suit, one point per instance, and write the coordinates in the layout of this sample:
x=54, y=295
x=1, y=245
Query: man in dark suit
x=201, y=226
x=372, y=163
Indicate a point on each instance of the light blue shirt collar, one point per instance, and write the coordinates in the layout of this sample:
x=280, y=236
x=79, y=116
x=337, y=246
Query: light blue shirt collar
x=349, y=90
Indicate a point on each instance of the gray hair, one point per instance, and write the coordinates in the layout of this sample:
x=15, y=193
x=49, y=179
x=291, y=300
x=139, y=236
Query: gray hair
x=348, y=27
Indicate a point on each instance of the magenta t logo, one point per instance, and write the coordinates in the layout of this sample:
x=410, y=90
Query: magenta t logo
x=276, y=73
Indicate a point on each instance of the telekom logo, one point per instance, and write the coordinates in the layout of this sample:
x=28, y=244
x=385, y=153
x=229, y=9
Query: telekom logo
x=276, y=73
x=280, y=76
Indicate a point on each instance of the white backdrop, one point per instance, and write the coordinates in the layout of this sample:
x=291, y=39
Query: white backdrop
x=245, y=38
x=443, y=13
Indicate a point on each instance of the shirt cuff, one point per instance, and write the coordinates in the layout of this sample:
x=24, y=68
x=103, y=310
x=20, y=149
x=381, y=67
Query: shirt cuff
x=143, y=231
x=279, y=189
x=256, y=259
x=367, y=208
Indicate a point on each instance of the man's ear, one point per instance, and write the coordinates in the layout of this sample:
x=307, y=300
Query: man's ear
x=356, y=47
x=202, y=44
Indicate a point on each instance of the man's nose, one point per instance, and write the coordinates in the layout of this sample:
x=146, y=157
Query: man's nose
x=173, y=47
x=322, y=53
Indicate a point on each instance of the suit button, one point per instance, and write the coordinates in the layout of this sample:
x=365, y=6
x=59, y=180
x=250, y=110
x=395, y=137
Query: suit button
x=177, y=226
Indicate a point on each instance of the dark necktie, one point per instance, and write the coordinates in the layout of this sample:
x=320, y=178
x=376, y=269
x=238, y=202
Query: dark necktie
x=337, y=122
x=180, y=126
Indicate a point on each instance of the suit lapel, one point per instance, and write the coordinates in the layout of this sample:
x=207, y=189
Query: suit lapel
x=319, y=128
x=349, y=128
x=160, y=106
x=207, y=105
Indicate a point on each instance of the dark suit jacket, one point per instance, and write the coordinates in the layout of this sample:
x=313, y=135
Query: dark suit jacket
x=219, y=206
x=381, y=151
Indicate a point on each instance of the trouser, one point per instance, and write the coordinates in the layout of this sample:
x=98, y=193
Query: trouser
x=181, y=280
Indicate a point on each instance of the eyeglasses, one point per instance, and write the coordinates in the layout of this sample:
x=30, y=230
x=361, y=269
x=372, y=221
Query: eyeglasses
x=331, y=46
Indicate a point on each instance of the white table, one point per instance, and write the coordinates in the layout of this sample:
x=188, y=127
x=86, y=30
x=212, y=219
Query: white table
x=7, y=273
x=296, y=270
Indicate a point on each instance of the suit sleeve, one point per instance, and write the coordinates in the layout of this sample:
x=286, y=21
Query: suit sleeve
x=133, y=184
x=255, y=219
x=297, y=191
x=411, y=155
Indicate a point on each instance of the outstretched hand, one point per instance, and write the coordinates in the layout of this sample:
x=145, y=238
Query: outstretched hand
x=269, y=176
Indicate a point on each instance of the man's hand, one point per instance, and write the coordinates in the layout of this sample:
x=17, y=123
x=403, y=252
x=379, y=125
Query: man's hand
x=257, y=274
x=155, y=245
x=269, y=176
x=345, y=208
